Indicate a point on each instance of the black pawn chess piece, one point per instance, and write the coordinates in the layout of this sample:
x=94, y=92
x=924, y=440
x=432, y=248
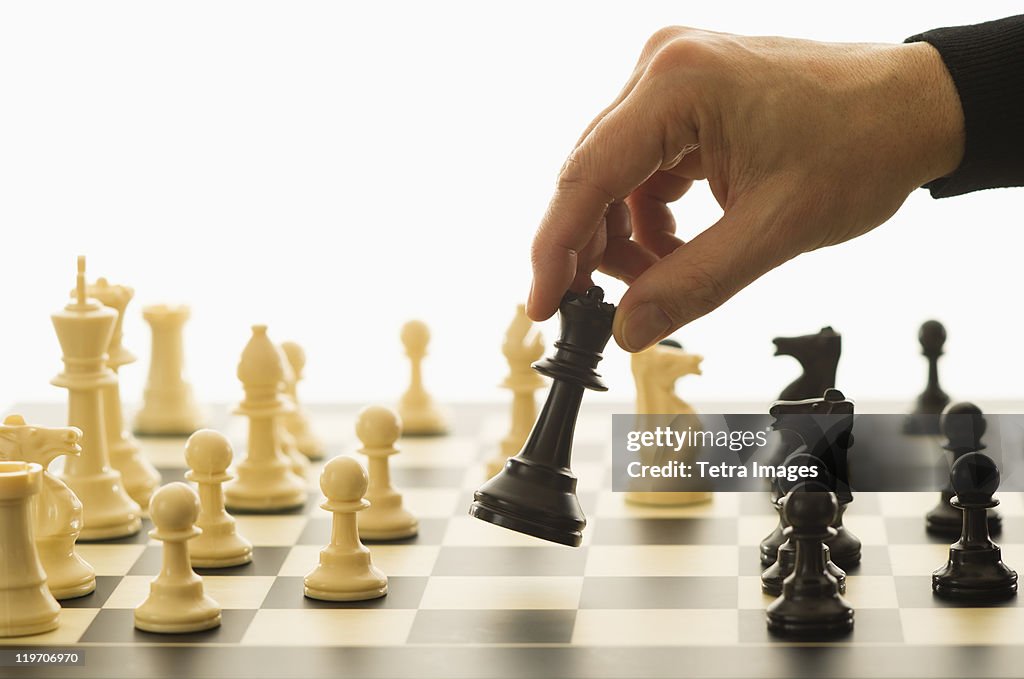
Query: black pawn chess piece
x=963, y=426
x=929, y=406
x=774, y=575
x=975, y=572
x=830, y=447
x=810, y=606
x=535, y=493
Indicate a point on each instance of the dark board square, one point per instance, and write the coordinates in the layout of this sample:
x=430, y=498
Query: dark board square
x=915, y=591
x=514, y=561
x=117, y=626
x=318, y=532
x=659, y=592
x=874, y=560
x=265, y=561
x=750, y=560
x=172, y=474
x=689, y=531
x=403, y=592
x=105, y=584
x=492, y=626
x=869, y=626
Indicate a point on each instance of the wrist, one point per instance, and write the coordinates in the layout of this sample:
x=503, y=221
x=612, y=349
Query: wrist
x=935, y=119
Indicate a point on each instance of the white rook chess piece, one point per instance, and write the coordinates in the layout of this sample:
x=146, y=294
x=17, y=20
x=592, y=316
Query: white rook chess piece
x=140, y=477
x=84, y=328
x=57, y=515
x=420, y=414
x=345, y=571
x=176, y=603
x=523, y=345
x=378, y=428
x=296, y=421
x=26, y=605
x=168, y=406
x=208, y=454
x=265, y=479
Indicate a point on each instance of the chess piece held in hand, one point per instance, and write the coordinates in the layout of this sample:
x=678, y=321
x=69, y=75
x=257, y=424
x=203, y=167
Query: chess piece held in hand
x=536, y=491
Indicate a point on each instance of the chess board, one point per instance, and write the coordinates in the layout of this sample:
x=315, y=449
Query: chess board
x=652, y=592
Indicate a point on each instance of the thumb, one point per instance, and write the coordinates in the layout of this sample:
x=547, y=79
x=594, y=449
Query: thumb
x=698, y=277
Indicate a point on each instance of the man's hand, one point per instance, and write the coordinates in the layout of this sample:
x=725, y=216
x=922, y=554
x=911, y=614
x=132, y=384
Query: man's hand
x=803, y=144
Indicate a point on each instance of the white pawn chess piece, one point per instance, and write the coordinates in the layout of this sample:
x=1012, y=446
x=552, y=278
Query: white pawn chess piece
x=57, y=512
x=345, y=571
x=655, y=372
x=297, y=421
x=168, y=405
x=208, y=455
x=420, y=415
x=176, y=603
x=378, y=428
x=140, y=476
x=265, y=479
x=523, y=345
x=26, y=605
x=84, y=328
x=300, y=463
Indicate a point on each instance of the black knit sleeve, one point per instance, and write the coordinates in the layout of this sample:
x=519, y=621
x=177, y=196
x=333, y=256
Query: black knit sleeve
x=986, y=62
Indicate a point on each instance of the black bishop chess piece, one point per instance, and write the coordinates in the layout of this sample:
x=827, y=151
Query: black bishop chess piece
x=929, y=406
x=963, y=425
x=535, y=493
x=975, y=572
x=810, y=606
x=827, y=438
x=773, y=577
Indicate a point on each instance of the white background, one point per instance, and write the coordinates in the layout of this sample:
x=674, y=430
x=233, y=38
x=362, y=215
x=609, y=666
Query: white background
x=333, y=169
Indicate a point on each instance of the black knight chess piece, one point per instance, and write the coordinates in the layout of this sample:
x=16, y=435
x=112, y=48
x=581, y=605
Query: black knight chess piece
x=932, y=401
x=975, y=572
x=963, y=425
x=535, y=493
x=818, y=355
x=824, y=425
x=810, y=606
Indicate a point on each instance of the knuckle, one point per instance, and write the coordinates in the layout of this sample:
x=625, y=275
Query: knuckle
x=663, y=36
x=687, y=51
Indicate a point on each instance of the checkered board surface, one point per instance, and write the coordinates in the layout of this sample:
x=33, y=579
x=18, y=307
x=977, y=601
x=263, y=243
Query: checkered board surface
x=653, y=592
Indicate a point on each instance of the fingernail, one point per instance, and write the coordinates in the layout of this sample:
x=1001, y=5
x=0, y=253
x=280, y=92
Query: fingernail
x=644, y=325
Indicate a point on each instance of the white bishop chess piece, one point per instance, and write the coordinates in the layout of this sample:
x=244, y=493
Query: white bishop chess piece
x=57, y=513
x=345, y=571
x=176, y=603
x=26, y=605
x=208, y=454
x=265, y=480
x=378, y=428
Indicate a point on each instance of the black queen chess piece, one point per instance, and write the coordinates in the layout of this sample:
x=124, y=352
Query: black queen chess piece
x=975, y=572
x=535, y=493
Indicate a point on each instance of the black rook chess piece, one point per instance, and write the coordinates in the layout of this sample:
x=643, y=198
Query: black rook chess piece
x=975, y=571
x=535, y=493
x=963, y=426
x=810, y=605
x=932, y=401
